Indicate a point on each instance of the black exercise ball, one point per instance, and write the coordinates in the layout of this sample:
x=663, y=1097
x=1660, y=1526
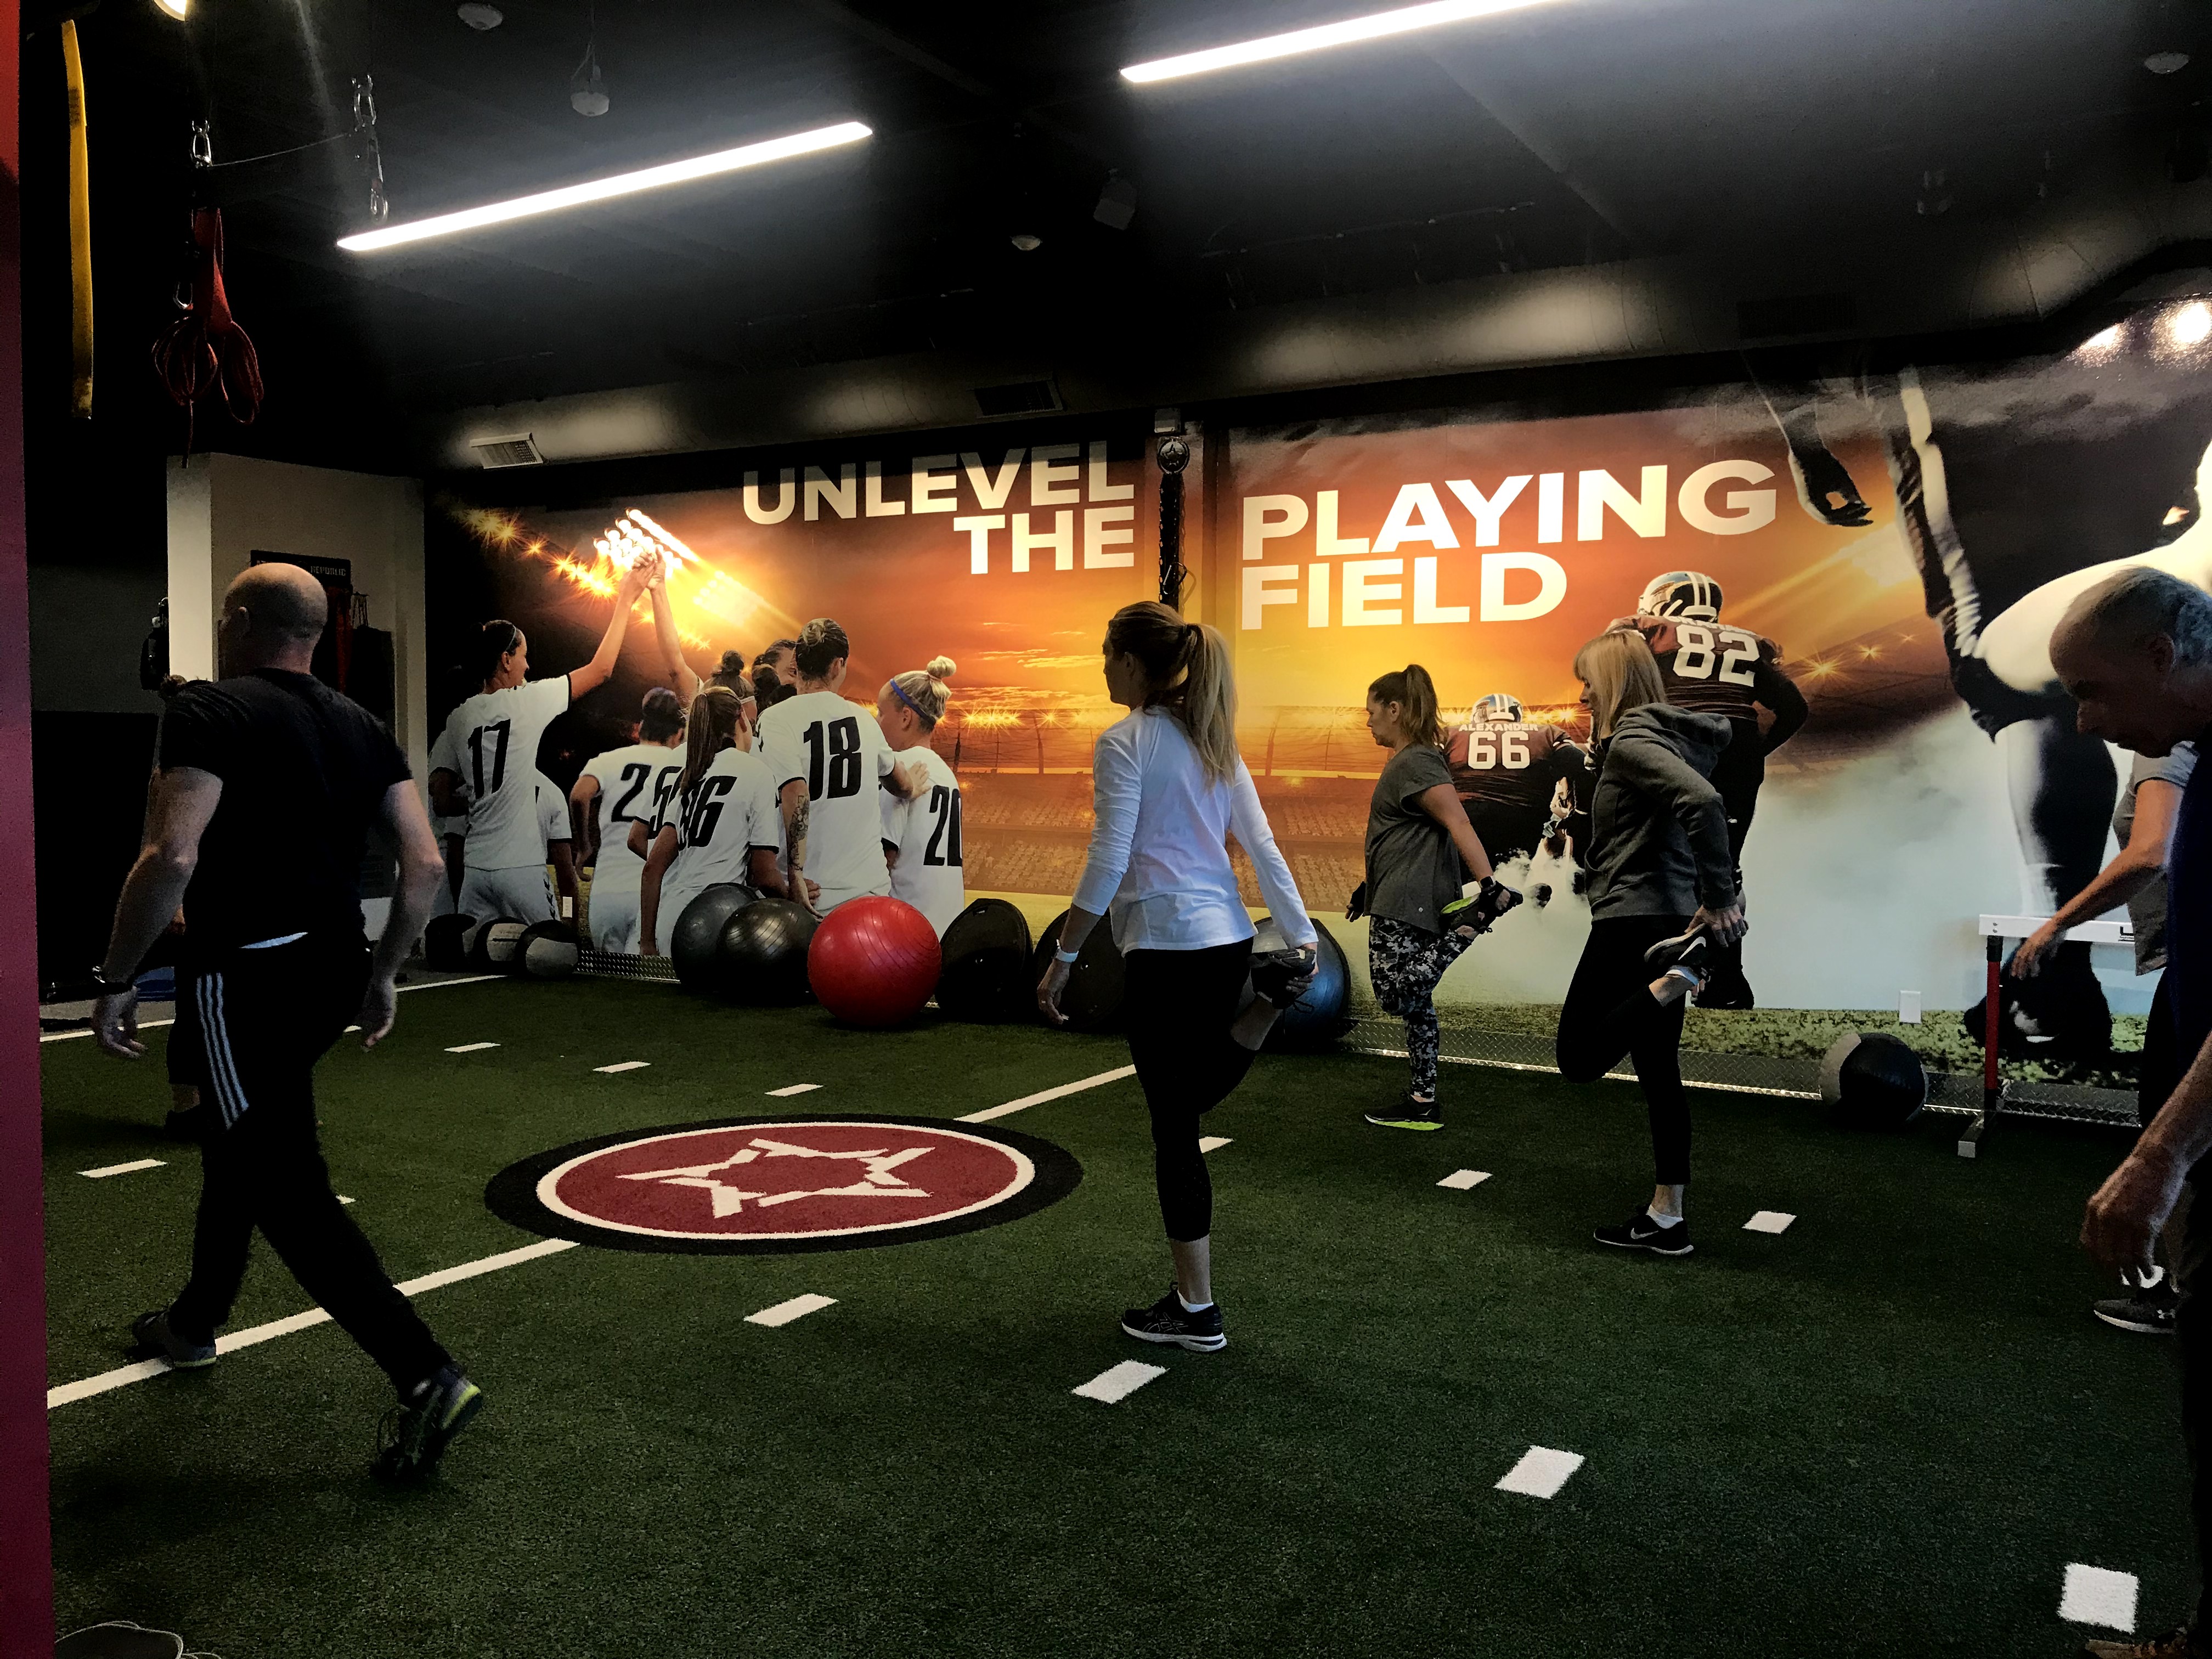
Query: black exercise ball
x=986, y=964
x=1323, y=1014
x=763, y=954
x=445, y=942
x=1092, y=1000
x=695, y=942
x=547, y=950
x=1872, y=1080
x=491, y=947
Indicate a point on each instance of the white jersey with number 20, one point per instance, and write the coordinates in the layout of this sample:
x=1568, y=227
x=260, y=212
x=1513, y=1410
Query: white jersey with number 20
x=925, y=831
x=839, y=750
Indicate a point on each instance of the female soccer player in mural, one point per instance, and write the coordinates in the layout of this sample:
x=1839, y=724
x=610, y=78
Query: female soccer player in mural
x=1168, y=789
x=921, y=837
x=828, y=757
x=1423, y=912
x=1734, y=673
x=1662, y=898
x=719, y=824
x=615, y=790
x=1507, y=773
x=492, y=745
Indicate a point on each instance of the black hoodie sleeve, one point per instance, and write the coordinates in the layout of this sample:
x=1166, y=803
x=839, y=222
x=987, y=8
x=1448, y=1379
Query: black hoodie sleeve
x=1654, y=769
x=1778, y=692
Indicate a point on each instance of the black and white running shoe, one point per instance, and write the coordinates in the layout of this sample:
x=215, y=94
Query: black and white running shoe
x=1280, y=977
x=1408, y=1114
x=1641, y=1232
x=2147, y=1313
x=1169, y=1323
x=1691, y=951
x=152, y=1337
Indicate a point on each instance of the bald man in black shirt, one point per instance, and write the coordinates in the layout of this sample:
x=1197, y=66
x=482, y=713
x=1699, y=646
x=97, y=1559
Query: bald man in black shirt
x=269, y=783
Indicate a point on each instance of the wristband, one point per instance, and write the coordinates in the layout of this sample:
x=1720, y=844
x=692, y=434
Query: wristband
x=1059, y=955
x=110, y=987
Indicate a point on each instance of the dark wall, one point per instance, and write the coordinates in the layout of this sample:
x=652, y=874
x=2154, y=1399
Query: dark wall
x=89, y=775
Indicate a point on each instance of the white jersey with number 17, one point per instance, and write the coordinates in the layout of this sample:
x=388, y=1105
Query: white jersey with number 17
x=839, y=750
x=925, y=831
x=494, y=737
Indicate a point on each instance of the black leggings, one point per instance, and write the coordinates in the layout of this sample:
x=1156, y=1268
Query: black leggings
x=1610, y=1012
x=1179, y=1005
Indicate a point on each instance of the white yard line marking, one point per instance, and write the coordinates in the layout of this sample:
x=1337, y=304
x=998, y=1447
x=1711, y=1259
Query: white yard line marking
x=470, y=1048
x=2098, y=1595
x=69, y=1393
x=790, y=1089
x=1769, y=1221
x=132, y=1168
x=1039, y=1098
x=151, y=1024
x=1460, y=1180
x=1541, y=1472
x=1212, y=1143
x=343, y=1199
x=1118, y=1382
x=624, y=1066
x=798, y=1307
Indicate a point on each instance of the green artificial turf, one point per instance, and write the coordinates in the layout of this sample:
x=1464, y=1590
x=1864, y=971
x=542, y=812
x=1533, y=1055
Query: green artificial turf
x=1887, y=1431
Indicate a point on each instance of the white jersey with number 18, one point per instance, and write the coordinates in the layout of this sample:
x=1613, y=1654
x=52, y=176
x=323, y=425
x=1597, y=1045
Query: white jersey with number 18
x=925, y=831
x=494, y=737
x=839, y=750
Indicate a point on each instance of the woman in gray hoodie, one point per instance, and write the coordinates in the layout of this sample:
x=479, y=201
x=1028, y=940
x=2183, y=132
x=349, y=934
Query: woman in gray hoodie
x=1662, y=894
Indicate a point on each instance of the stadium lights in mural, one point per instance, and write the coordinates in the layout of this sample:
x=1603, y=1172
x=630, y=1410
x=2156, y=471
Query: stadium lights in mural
x=1350, y=31
x=601, y=190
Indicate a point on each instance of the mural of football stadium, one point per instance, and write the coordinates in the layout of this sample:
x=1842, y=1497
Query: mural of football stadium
x=1896, y=546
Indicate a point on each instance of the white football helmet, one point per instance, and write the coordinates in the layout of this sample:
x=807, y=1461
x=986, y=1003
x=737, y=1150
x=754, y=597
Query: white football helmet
x=1688, y=594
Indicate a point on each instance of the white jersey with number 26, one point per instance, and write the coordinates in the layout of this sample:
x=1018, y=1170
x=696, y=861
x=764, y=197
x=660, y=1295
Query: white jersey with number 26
x=494, y=737
x=838, y=748
x=926, y=830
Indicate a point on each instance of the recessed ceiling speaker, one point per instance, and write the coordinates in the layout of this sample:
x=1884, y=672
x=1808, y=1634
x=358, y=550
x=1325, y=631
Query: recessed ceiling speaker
x=479, y=16
x=2166, y=63
x=1028, y=243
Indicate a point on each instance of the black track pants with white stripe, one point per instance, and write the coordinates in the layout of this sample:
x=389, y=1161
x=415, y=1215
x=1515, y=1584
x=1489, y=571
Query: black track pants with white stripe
x=263, y=1019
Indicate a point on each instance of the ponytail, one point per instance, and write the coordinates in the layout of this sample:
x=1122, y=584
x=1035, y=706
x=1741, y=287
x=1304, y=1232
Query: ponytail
x=714, y=715
x=1187, y=672
x=1415, y=694
x=489, y=648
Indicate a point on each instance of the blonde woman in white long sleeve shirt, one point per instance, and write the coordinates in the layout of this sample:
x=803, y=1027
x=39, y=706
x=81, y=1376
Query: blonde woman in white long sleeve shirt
x=1169, y=790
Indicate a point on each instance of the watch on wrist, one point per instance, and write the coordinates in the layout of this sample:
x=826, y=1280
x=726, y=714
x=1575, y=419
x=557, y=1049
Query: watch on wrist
x=109, y=985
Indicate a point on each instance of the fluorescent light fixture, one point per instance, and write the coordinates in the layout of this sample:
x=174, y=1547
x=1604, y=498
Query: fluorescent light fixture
x=1348, y=32
x=2191, y=324
x=599, y=190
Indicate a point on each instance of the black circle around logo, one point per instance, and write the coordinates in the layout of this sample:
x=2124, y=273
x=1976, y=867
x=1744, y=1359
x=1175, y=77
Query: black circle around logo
x=783, y=1183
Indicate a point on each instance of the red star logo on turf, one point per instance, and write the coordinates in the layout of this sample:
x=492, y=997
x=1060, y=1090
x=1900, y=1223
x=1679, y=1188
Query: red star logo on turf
x=767, y=1173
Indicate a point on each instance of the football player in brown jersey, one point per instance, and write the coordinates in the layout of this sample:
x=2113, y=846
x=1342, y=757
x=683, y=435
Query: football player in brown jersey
x=1507, y=771
x=1711, y=668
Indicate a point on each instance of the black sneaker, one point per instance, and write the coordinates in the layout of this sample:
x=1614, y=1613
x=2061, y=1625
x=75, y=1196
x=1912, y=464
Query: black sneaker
x=1724, y=989
x=1168, y=1322
x=416, y=1433
x=152, y=1338
x=1691, y=951
x=2147, y=1313
x=1280, y=977
x=1641, y=1232
x=1409, y=1113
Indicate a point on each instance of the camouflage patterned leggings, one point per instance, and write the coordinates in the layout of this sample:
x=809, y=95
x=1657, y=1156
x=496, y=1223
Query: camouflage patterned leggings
x=1405, y=963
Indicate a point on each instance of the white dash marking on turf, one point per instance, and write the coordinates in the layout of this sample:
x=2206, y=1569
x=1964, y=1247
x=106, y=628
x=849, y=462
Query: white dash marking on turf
x=1541, y=1472
x=624, y=1066
x=1042, y=1096
x=231, y=1342
x=1460, y=1180
x=1769, y=1221
x=1118, y=1382
x=156, y=1025
x=798, y=1307
x=789, y=1089
x=2098, y=1595
x=132, y=1168
x=470, y=1048
x=1212, y=1143
x=343, y=1199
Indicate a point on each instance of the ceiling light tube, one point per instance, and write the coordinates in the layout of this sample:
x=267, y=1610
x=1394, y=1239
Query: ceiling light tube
x=1348, y=32
x=599, y=190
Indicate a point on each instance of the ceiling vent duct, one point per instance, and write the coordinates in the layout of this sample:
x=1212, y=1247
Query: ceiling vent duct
x=1022, y=397
x=516, y=449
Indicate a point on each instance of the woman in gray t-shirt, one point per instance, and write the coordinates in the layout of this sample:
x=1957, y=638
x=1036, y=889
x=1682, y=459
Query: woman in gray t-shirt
x=1422, y=911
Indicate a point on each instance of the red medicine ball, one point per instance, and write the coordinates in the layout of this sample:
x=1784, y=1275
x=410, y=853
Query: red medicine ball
x=874, y=961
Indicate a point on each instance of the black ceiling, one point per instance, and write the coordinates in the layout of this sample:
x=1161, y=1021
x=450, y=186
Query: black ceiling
x=1572, y=133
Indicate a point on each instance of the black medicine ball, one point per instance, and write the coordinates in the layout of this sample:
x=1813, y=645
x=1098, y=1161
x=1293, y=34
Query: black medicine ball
x=491, y=947
x=763, y=952
x=445, y=942
x=1092, y=1000
x=1872, y=1080
x=695, y=942
x=986, y=964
